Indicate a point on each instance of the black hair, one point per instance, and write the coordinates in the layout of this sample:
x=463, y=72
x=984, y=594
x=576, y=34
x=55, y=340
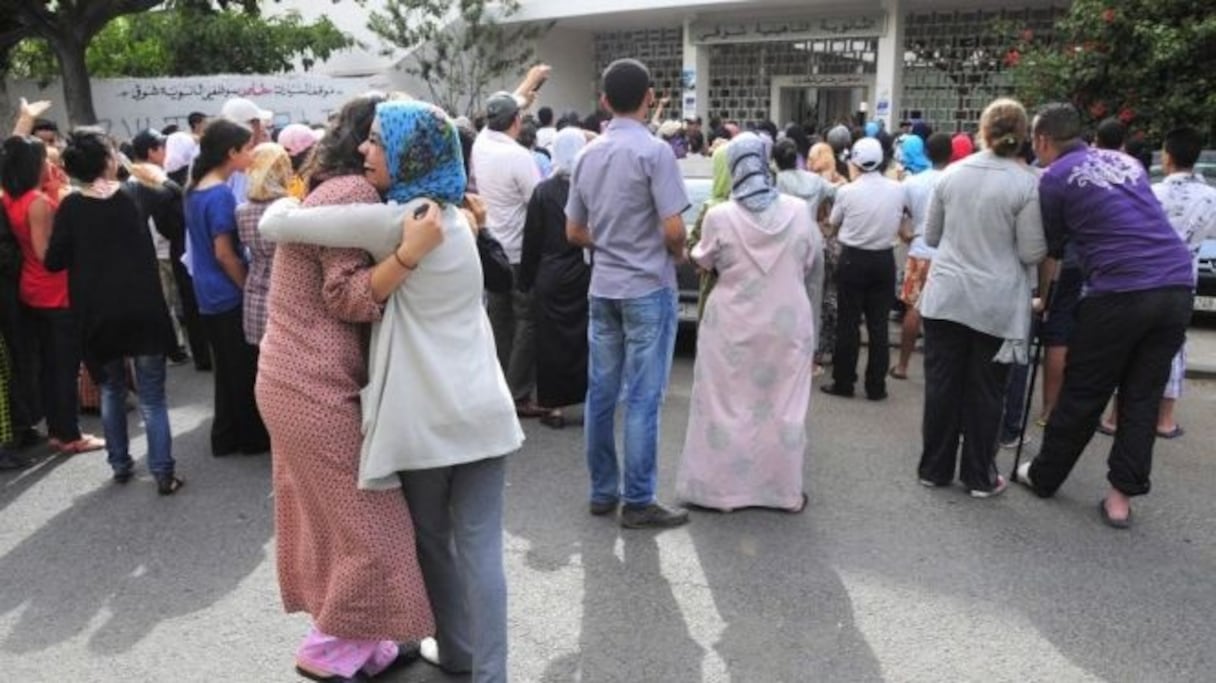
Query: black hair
x=545, y=116
x=21, y=165
x=527, y=135
x=1184, y=145
x=87, y=154
x=785, y=154
x=503, y=123
x=939, y=148
x=195, y=118
x=170, y=129
x=1111, y=134
x=798, y=134
x=768, y=127
x=625, y=84
x=1138, y=149
x=45, y=124
x=219, y=139
x=888, y=149
x=467, y=138
x=570, y=118
x=337, y=153
x=1059, y=121
x=592, y=122
x=143, y=144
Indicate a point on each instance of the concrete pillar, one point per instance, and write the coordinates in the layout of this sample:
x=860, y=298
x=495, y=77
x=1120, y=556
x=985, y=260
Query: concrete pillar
x=888, y=82
x=696, y=62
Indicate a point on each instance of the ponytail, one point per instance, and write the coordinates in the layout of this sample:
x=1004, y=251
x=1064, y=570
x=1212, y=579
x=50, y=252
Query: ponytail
x=219, y=138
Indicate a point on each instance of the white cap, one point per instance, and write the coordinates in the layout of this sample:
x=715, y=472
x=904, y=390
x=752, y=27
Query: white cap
x=867, y=154
x=241, y=110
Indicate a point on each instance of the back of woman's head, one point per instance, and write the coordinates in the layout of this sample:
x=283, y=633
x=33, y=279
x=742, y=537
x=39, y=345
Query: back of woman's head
x=87, y=154
x=798, y=134
x=785, y=154
x=21, y=165
x=1003, y=127
x=270, y=173
x=337, y=153
x=220, y=138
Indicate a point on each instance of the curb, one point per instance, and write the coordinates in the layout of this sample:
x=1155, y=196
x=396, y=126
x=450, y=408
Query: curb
x=1200, y=371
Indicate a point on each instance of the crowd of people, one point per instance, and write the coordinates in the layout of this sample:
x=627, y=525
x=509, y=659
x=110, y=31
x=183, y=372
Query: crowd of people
x=381, y=300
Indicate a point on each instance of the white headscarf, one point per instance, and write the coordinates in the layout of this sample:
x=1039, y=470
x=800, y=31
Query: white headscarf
x=180, y=150
x=567, y=144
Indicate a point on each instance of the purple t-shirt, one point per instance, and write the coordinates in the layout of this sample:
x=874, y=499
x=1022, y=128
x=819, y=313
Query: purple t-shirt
x=1101, y=202
x=623, y=185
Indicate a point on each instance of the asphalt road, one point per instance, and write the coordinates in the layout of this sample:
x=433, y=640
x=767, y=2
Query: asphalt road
x=879, y=580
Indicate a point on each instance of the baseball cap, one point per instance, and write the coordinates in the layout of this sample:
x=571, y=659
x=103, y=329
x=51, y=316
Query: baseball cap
x=297, y=138
x=242, y=110
x=501, y=106
x=146, y=141
x=867, y=154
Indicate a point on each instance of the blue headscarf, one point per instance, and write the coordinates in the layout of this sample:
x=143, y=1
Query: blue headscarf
x=422, y=149
x=872, y=129
x=914, y=159
x=751, y=184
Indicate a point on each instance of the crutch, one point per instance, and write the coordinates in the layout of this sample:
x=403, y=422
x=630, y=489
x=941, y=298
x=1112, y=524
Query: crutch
x=1036, y=358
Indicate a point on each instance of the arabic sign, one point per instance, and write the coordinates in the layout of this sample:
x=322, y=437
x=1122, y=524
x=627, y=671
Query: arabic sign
x=788, y=29
x=126, y=106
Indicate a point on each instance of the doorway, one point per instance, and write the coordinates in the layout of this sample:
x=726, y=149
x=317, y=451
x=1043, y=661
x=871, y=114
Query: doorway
x=819, y=106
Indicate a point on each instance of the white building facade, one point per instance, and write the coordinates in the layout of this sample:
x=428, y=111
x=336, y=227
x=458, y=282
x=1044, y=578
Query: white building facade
x=811, y=62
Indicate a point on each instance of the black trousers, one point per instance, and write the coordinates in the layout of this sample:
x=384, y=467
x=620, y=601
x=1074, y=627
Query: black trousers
x=238, y=424
x=196, y=337
x=865, y=284
x=964, y=394
x=57, y=336
x=1125, y=342
x=25, y=404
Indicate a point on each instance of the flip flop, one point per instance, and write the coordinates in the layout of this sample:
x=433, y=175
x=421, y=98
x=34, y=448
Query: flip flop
x=1174, y=433
x=897, y=374
x=1111, y=521
x=1108, y=430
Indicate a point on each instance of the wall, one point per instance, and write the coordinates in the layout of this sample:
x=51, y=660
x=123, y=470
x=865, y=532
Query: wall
x=126, y=106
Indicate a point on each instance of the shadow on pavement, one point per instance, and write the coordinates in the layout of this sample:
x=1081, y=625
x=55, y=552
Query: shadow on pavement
x=194, y=548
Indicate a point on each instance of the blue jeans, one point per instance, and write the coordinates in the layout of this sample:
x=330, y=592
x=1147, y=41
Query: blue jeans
x=150, y=378
x=631, y=342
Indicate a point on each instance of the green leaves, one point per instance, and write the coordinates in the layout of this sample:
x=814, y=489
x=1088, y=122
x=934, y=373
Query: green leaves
x=1149, y=62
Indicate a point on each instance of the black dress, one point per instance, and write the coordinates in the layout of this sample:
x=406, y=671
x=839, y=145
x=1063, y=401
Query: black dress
x=113, y=281
x=559, y=278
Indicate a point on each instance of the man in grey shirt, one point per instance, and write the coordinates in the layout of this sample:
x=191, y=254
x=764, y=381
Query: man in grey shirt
x=627, y=187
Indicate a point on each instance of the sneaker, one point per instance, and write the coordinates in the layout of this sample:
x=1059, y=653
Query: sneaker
x=1001, y=485
x=930, y=484
x=11, y=461
x=1022, y=476
x=599, y=508
x=652, y=516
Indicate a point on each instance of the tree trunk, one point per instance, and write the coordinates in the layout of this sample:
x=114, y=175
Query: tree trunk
x=8, y=113
x=77, y=90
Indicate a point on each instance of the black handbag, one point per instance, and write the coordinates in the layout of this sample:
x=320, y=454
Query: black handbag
x=495, y=267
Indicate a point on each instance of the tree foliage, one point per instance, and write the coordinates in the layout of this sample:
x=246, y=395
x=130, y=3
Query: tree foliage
x=458, y=48
x=190, y=41
x=1151, y=63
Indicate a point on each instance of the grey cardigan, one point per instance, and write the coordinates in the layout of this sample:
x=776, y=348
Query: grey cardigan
x=984, y=219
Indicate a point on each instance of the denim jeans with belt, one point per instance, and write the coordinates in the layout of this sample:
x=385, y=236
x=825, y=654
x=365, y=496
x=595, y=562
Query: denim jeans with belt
x=630, y=346
x=150, y=387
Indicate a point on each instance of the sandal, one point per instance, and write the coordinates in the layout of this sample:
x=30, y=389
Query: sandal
x=528, y=409
x=1104, y=428
x=555, y=419
x=895, y=373
x=169, y=485
x=1174, y=433
x=1125, y=523
x=87, y=443
x=798, y=509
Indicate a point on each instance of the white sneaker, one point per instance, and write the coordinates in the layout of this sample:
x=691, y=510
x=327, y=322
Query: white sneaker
x=1023, y=473
x=1012, y=444
x=428, y=649
x=1001, y=485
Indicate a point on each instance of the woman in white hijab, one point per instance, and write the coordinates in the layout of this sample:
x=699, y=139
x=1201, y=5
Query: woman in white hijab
x=746, y=436
x=558, y=276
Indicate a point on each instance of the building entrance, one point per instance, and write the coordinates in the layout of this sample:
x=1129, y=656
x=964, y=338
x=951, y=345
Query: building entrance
x=818, y=107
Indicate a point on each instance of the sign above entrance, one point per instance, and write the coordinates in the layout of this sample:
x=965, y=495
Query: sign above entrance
x=788, y=29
